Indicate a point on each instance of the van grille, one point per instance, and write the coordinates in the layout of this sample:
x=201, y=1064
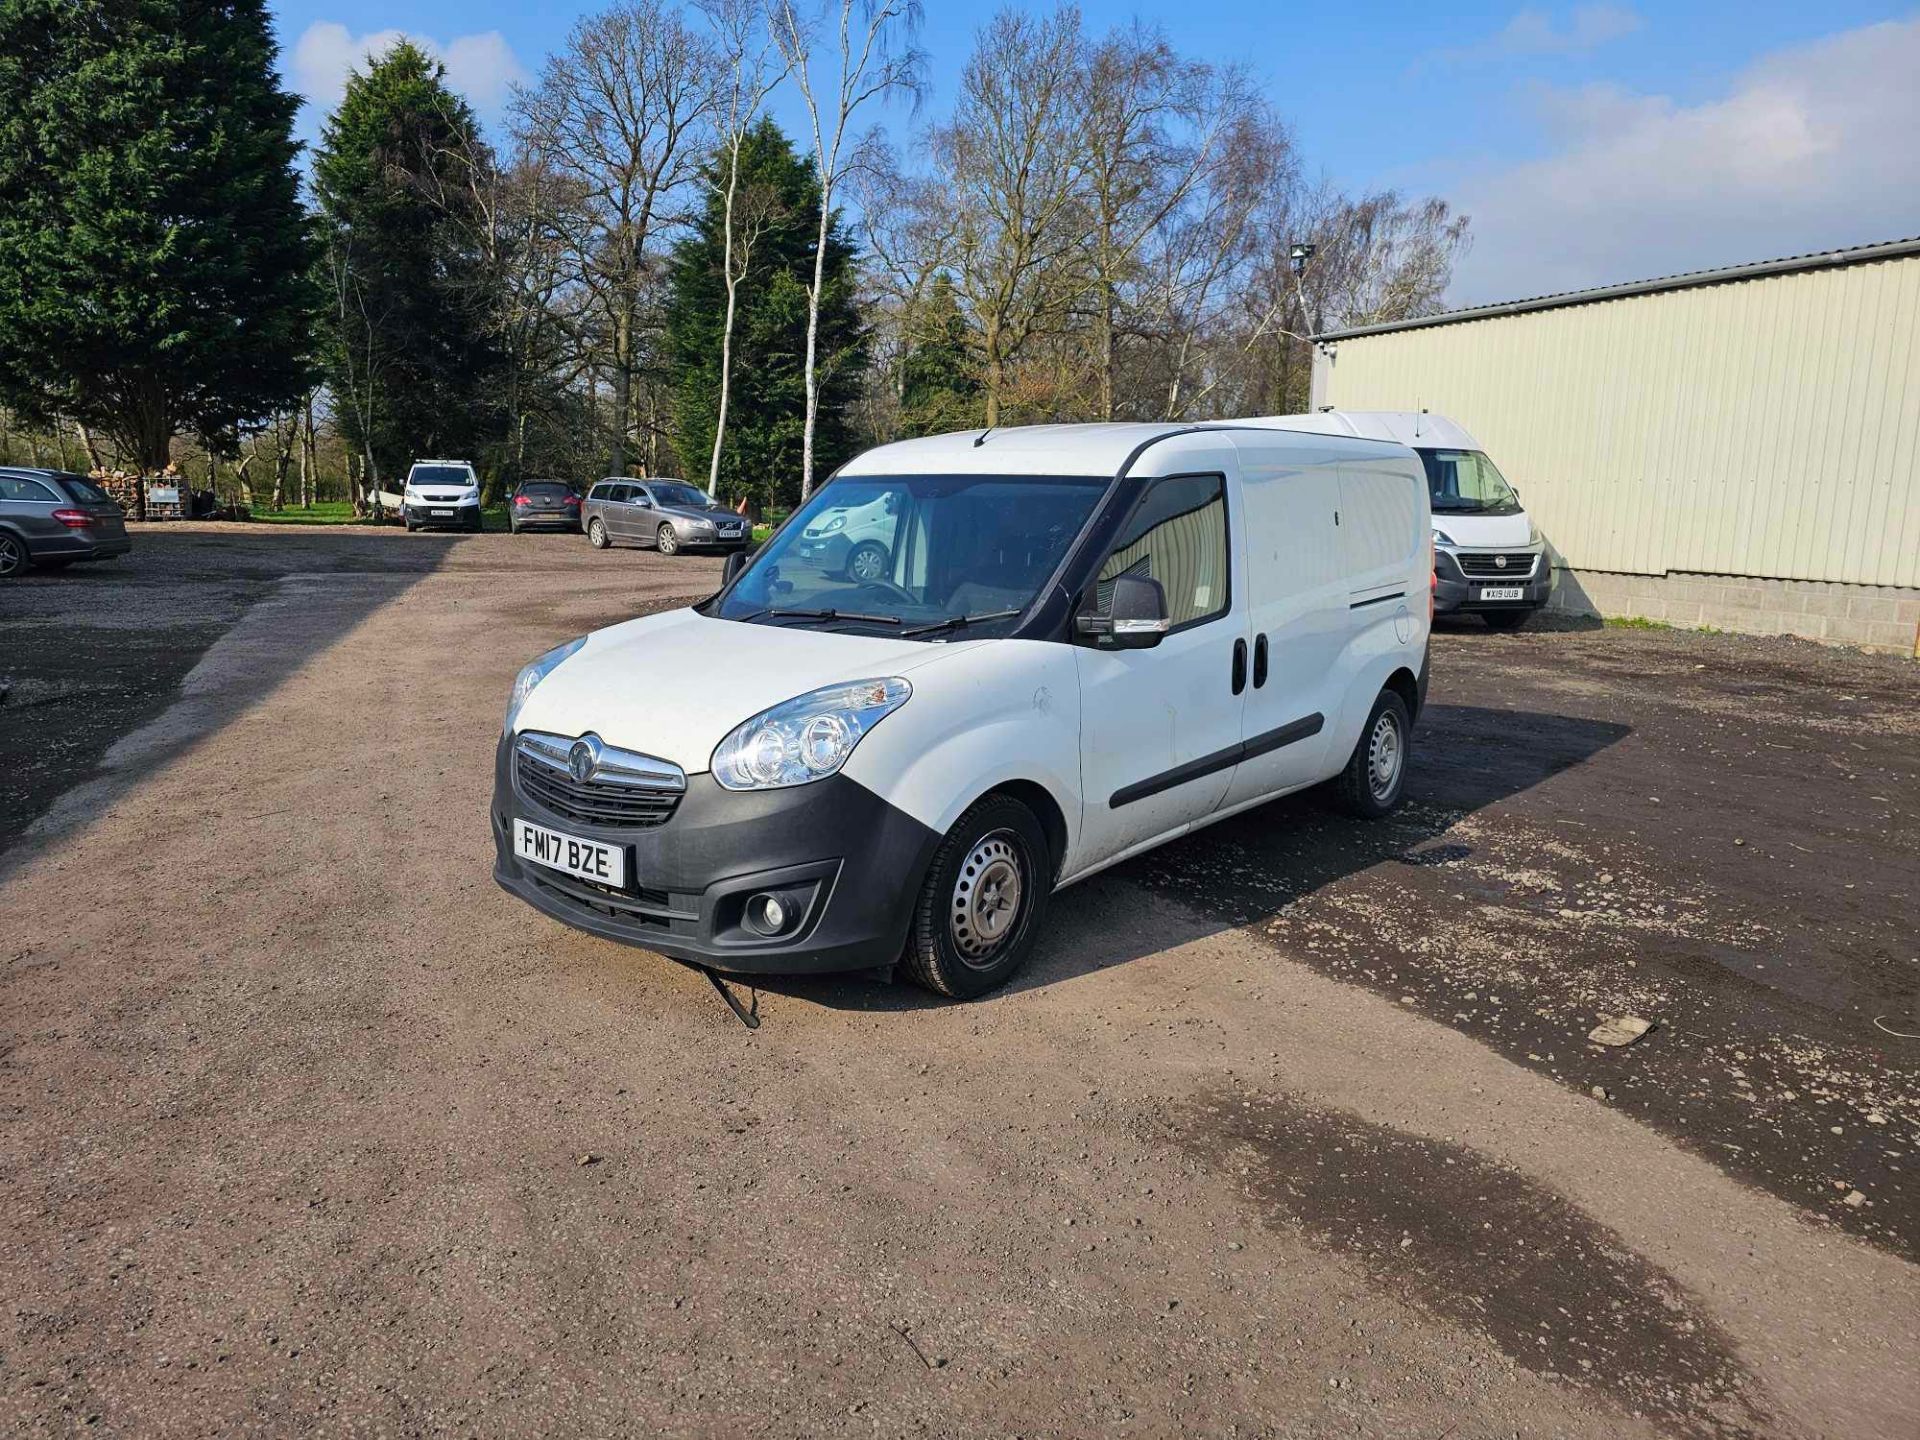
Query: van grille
x=1518, y=565
x=628, y=791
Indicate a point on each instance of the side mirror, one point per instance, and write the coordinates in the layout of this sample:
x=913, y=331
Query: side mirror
x=736, y=562
x=1135, y=620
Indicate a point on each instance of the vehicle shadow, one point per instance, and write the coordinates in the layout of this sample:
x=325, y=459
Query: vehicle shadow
x=1245, y=869
x=136, y=661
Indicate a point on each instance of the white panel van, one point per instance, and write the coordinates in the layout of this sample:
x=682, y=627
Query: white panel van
x=1490, y=560
x=1064, y=645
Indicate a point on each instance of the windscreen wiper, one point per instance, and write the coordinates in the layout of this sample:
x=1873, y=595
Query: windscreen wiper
x=857, y=615
x=959, y=621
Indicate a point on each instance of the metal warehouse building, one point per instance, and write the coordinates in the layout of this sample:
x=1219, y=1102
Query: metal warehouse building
x=1737, y=448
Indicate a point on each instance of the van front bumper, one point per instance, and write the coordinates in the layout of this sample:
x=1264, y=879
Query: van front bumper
x=851, y=862
x=1456, y=593
x=450, y=517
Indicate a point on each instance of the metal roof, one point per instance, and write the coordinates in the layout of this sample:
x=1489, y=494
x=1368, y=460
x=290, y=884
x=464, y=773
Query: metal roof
x=1687, y=280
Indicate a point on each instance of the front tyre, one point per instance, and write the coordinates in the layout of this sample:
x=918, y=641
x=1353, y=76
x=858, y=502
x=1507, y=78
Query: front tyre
x=868, y=562
x=980, y=907
x=668, y=540
x=1375, y=779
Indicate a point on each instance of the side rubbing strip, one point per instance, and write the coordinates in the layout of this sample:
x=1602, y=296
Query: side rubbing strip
x=1286, y=735
x=1219, y=760
x=1377, y=600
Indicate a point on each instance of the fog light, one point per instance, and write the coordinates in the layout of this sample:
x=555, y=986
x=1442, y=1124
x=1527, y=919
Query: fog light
x=769, y=913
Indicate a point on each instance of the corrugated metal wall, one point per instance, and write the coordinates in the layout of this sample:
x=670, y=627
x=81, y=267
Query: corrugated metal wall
x=1765, y=427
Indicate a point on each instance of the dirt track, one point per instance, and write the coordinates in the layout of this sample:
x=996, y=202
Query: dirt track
x=295, y=1104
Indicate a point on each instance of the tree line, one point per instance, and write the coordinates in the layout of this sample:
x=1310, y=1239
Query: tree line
x=641, y=272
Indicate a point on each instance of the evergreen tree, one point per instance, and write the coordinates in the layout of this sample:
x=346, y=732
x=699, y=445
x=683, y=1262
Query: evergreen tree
x=939, y=380
x=777, y=218
x=412, y=360
x=155, y=263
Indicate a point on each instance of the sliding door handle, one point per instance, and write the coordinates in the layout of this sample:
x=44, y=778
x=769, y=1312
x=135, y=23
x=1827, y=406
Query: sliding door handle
x=1239, y=666
x=1259, y=661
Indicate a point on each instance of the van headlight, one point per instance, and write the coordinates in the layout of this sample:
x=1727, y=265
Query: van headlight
x=532, y=673
x=1533, y=533
x=806, y=738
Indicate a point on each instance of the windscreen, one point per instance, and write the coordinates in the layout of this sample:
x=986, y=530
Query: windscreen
x=1466, y=482
x=440, y=475
x=907, y=552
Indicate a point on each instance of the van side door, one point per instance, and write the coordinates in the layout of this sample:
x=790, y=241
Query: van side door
x=1297, y=583
x=1160, y=728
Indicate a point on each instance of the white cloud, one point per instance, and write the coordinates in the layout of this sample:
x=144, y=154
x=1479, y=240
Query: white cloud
x=1535, y=32
x=1812, y=147
x=481, y=67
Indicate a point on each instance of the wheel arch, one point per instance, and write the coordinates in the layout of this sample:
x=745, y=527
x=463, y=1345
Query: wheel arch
x=1037, y=798
x=1404, y=683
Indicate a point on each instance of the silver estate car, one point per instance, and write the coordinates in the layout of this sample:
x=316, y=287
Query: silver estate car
x=669, y=515
x=51, y=518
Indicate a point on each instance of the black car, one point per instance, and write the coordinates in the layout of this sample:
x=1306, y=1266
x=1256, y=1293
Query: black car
x=52, y=518
x=543, y=505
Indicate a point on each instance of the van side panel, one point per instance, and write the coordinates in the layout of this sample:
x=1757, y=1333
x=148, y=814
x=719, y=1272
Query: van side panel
x=1297, y=585
x=1385, y=520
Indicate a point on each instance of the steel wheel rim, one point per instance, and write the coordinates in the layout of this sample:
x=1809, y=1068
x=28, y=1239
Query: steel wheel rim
x=668, y=540
x=1384, y=756
x=985, y=906
x=868, y=563
x=11, y=556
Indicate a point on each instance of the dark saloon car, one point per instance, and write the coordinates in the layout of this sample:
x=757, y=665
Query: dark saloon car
x=51, y=518
x=543, y=505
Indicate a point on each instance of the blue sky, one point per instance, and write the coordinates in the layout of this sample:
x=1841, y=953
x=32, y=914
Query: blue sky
x=1591, y=142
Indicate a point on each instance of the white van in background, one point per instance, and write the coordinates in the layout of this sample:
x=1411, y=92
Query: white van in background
x=1062, y=645
x=1489, y=559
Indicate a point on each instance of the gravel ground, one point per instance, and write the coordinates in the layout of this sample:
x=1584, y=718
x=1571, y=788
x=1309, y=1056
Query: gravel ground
x=1290, y=1130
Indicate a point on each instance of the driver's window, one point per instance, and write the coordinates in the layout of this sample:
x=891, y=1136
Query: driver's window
x=642, y=498
x=1178, y=536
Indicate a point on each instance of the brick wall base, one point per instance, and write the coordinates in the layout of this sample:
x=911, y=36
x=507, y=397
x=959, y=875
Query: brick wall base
x=1872, y=617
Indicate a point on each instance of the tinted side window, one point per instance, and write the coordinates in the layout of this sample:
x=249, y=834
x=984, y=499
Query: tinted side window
x=16, y=487
x=84, y=490
x=1178, y=536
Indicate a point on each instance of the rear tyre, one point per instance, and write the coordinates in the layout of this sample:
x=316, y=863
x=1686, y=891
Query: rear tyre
x=1376, y=775
x=667, y=539
x=981, y=904
x=1506, y=619
x=597, y=535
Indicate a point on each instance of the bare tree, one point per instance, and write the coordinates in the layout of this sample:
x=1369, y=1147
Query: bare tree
x=1013, y=167
x=358, y=383
x=873, y=60
x=1155, y=131
x=749, y=52
x=621, y=111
